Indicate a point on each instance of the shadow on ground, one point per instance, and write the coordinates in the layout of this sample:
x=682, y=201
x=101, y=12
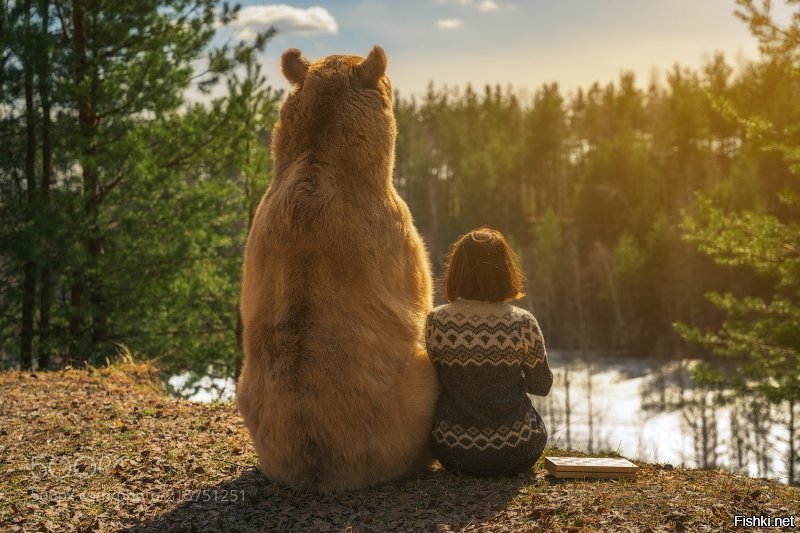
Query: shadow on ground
x=429, y=502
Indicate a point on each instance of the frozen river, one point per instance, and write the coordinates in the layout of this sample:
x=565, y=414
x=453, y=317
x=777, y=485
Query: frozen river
x=649, y=410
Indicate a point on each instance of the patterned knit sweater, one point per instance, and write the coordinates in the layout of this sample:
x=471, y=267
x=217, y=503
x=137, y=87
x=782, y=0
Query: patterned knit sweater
x=488, y=356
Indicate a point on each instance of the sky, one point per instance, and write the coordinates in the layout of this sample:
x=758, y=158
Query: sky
x=521, y=43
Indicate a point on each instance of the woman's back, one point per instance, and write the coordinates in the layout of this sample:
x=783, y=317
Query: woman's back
x=488, y=356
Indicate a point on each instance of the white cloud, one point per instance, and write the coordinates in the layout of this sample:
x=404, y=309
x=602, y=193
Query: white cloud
x=462, y=2
x=286, y=19
x=488, y=5
x=448, y=24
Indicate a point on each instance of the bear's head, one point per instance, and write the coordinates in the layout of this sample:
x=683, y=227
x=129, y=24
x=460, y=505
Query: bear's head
x=338, y=114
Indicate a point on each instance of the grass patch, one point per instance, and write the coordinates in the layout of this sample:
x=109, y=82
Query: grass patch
x=105, y=448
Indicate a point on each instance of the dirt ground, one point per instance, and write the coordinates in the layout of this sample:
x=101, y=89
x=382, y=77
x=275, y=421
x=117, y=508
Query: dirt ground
x=106, y=449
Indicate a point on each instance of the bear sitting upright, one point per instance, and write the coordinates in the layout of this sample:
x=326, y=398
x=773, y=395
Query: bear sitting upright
x=336, y=389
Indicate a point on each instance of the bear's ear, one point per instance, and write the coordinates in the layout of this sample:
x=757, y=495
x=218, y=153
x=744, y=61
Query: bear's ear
x=374, y=66
x=294, y=66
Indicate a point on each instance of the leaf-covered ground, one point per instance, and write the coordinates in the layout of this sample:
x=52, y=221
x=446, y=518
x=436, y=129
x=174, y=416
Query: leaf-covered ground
x=106, y=449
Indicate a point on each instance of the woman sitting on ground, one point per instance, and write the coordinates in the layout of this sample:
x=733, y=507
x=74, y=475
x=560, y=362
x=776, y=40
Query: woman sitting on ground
x=489, y=354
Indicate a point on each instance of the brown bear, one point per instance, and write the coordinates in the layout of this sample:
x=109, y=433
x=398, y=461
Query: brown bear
x=336, y=389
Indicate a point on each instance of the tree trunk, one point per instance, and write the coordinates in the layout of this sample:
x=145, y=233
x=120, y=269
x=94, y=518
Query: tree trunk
x=46, y=282
x=87, y=284
x=45, y=302
x=567, y=407
x=792, y=449
x=75, y=349
x=96, y=295
x=28, y=302
x=578, y=295
x=29, y=268
x=589, y=374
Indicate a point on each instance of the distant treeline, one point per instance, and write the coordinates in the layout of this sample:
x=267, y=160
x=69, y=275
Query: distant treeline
x=592, y=187
x=124, y=207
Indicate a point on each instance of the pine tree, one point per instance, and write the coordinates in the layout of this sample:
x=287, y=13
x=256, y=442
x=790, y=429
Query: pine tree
x=762, y=332
x=113, y=192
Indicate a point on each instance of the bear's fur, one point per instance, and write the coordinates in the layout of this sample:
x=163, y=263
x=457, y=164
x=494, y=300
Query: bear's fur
x=336, y=389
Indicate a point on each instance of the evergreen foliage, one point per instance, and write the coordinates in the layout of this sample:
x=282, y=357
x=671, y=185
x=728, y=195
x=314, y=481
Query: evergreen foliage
x=123, y=205
x=760, y=329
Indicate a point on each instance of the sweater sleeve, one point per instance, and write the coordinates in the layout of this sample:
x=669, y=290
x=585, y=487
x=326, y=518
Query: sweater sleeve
x=429, y=338
x=538, y=375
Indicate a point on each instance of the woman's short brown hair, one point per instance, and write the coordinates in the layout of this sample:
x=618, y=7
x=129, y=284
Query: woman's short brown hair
x=482, y=266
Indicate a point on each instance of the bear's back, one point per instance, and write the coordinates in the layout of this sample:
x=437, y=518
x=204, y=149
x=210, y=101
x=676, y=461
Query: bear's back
x=335, y=389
